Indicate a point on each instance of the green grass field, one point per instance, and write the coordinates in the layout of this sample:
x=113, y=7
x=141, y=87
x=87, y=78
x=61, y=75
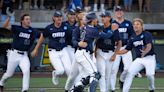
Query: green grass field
x=14, y=85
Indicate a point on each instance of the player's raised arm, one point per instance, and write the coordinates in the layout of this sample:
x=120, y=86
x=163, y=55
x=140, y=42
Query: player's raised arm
x=7, y=23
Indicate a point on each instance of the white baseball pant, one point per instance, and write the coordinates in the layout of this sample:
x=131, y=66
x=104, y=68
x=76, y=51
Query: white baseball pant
x=74, y=76
x=15, y=59
x=74, y=73
x=84, y=59
x=149, y=63
x=127, y=60
x=71, y=52
x=104, y=66
x=60, y=61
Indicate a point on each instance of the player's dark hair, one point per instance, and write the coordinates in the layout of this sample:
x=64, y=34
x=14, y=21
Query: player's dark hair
x=23, y=16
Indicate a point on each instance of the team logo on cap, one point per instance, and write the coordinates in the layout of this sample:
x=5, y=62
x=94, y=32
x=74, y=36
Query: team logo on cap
x=103, y=13
x=58, y=13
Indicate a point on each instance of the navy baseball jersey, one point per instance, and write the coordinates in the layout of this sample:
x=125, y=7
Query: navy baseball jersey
x=109, y=43
x=126, y=30
x=88, y=34
x=23, y=38
x=69, y=32
x=139, y=42
x=57, y=36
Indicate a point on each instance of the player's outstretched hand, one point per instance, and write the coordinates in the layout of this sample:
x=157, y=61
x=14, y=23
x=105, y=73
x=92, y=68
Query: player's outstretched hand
x=10, y=12
x=34, y=53
x=114, y=26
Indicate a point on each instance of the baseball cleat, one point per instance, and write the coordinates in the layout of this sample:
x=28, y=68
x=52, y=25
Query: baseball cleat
x=139, y=75
x=66, y=90
x=1, y=88
x=55, y=80
x=151, y=91
x=121, y=84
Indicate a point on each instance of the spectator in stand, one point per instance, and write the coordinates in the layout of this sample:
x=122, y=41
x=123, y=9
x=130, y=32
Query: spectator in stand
x=65, y=4
x=116, y=3
x=7, y=5
x=128, y=5
x=101, y=5
x=35, y=6
x=74, y=3
x=41, y=4
x=86, y=7
x=22, y=5
x=78, y=3
x=146, y=5
x=50, y=4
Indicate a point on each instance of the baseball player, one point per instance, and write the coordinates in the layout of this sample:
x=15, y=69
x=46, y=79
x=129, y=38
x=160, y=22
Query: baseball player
x=59, y=58
x=105, y=55
x=125, y=31
x=23, y=37
x=141, y=41
x=83, y=40
x=71, y=24
x=75, y=68
x=6, y=6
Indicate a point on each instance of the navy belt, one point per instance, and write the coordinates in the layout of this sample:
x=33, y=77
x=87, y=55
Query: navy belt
x=105, y=50
x=19, y=52
x=56, y=49
x=86, y=50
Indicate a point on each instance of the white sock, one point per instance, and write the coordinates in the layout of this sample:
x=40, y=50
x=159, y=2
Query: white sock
x=151, y=82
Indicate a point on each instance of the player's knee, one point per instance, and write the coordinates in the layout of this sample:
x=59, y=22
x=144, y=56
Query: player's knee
x=8, y=75
x=102, y=74
x=59, y=72
x=130, y=74
x=113, y=72
x=26, y=72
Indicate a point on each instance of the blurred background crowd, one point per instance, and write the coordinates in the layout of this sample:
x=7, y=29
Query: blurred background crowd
x=87, y=5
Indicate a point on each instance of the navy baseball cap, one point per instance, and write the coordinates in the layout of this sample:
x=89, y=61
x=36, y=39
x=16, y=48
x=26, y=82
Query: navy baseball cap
x=78, y=9
x=91, y=16
x=118, y=8
x=105, y=14
x=71, y=12
x=57, y=14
